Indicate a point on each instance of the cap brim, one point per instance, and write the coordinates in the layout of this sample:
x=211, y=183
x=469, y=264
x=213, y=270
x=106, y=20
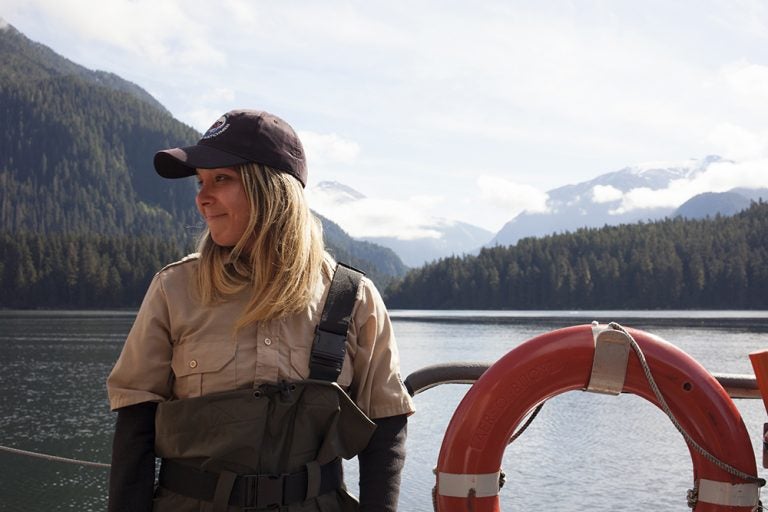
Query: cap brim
x=182, y=162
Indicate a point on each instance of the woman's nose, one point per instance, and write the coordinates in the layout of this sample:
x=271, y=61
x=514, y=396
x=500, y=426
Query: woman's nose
x=203, y=196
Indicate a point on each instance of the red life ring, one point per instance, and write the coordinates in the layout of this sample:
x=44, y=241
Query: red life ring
x=559, y=361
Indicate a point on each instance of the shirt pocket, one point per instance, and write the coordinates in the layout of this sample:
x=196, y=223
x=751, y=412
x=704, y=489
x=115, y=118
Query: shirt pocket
x=298, y=360
x=203, y=365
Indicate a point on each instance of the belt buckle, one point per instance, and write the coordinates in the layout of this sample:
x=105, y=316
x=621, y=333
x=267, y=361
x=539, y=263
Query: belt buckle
x=269, y=490
x=249, y=492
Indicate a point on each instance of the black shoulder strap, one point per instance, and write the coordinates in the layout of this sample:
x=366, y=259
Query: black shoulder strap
x=329, y=346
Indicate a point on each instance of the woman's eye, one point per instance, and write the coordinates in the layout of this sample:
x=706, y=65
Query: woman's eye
x=221, y=177
x=199, y=184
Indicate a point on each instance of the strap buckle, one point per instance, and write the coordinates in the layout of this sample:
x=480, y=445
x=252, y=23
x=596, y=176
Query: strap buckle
x=327, y=357
x=609, y=363
x=262, y=491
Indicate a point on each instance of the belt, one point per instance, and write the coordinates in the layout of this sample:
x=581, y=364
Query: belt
x=249, y=491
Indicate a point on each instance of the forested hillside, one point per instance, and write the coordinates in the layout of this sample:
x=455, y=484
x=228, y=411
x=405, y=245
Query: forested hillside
x=84, y=219
x=672, y=264
x=75, y=150
x=361, y=254
x=79, y=270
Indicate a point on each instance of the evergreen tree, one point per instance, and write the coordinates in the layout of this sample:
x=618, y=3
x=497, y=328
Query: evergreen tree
x=668, y=264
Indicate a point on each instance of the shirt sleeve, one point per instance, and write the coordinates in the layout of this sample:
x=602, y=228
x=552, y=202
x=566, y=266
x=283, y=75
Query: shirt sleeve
x=143, y=370
x=377, y=387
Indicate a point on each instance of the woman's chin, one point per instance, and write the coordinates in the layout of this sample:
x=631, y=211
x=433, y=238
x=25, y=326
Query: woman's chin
x=223, y=241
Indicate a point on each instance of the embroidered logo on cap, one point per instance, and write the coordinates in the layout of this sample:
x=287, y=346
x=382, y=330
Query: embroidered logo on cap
x=216, y=128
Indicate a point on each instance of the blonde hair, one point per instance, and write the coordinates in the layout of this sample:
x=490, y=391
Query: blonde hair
x=280, y=256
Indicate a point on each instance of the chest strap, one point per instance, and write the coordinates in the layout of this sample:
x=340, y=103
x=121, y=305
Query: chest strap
x=329, y=346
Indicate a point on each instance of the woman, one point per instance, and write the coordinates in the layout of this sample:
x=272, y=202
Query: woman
x=225, y=375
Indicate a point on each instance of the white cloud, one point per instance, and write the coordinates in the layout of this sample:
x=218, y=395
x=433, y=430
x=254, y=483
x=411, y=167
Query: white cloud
x=605, y=194
x=513, y=198
x=749, y=80
x=213, y=103
x=718, y=177
x=563, y=90
x=218, y=94
x=428, y=201
x=163, y=34
x=405, y=219
x=738, y=143
x=645, y=198
x=328, y=148
x=722, y=176
x=3, y=24
x=201, y=119
x=746, y=17
x=689, y=164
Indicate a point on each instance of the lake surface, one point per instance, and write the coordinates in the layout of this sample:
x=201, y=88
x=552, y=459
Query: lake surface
x=583, y=452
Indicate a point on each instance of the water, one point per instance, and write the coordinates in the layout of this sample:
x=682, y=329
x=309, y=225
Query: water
x=583, y=452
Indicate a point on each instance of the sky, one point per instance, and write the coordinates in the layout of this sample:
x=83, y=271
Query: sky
x=466, y=111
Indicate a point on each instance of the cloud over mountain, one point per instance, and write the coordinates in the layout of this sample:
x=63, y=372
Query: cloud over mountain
x=402, y=225
x=635, y=193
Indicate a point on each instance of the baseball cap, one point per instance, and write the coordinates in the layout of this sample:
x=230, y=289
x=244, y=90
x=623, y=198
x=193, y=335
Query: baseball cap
x=238, y=137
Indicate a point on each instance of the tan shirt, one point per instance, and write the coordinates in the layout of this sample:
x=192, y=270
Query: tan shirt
x=178, y=348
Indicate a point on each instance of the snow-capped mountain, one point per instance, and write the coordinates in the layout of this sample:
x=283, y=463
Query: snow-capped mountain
x=632, y=194
x=692, y=188
x=336, y=192
x=414, y=238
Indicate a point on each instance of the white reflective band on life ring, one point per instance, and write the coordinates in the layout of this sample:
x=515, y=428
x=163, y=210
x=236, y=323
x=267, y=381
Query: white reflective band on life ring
x=459, y=486
x=727, y=494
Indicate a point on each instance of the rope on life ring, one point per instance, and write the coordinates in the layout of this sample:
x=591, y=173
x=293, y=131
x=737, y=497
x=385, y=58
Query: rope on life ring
x=596, y=358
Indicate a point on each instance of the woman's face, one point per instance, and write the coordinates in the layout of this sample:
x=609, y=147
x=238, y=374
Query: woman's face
x=223, y=204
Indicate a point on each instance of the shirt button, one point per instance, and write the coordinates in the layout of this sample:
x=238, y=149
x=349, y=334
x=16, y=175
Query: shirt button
x=267, y=341
x=193, y=364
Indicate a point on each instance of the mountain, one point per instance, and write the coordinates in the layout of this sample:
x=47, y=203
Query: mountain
x=76, y=146
x=80, y=204
x=337, y=193
x=379, y=263
x=753, y=194
x=454, y=238
x=710, y=204
x=597, y=202
x=30, y=61
x=442, y=237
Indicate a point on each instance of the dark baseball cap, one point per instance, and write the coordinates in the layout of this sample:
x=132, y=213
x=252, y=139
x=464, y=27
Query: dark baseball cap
x=238, y=137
